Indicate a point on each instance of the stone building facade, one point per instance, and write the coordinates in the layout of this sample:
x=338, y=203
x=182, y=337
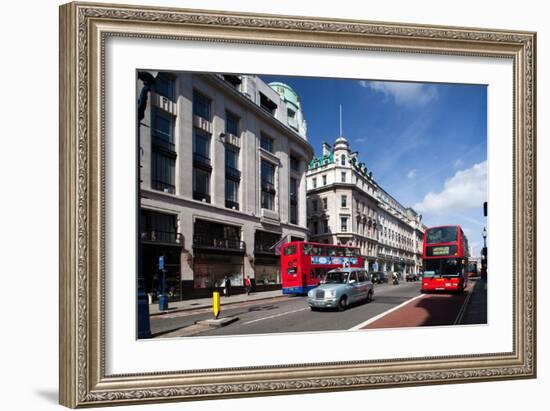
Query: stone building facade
x=222, y=163
x=347, y=206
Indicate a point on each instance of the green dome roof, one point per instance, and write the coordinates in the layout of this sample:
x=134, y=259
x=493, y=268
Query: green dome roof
x=288, y=94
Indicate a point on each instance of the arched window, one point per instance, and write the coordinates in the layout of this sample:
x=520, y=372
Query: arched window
x=343, y=159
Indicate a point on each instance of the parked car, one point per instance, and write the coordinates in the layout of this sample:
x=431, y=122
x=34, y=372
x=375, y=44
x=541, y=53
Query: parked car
x=379, y=277
x=340, y=288
x=411, y=277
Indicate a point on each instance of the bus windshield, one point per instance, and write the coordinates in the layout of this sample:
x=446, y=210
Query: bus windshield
x=337, y=277
x=441, y=235
x=442, y=267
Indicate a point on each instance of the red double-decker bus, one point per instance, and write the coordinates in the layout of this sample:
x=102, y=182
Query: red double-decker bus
x=445, y=259
x=304, y=264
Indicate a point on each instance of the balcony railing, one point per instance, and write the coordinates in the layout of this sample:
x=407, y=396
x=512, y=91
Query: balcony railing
x=219, y=243
x=166, y=237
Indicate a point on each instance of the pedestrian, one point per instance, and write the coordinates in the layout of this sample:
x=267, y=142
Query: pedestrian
x=227, y=286
x=247, y=285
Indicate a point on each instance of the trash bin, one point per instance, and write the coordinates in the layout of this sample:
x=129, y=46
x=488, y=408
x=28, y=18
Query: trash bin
x=163, y=302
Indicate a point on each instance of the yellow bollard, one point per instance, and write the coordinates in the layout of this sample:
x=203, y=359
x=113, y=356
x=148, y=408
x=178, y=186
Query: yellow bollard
x=216, y=303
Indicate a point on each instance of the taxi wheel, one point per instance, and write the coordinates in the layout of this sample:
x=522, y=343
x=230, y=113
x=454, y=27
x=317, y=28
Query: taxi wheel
x=343, y=303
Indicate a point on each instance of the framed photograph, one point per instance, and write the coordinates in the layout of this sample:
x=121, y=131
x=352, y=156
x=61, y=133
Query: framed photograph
x=264, y=205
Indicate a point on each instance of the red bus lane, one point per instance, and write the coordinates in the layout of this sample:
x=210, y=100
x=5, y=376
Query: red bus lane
x=427, y=310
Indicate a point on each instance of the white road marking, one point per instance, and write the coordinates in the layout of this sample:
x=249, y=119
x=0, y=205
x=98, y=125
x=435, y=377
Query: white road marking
x=464, y=306
x=275, y=315
x=373, y=319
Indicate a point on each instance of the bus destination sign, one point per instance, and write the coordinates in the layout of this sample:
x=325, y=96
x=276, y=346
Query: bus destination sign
x=440, y=250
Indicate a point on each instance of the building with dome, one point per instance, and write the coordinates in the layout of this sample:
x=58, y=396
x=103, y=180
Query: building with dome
x=347, y=206
x=222, y=169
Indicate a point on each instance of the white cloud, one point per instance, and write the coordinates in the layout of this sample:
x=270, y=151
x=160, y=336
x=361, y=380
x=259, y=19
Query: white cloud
x=411, y=174
x=467, y=189
x=406, y=94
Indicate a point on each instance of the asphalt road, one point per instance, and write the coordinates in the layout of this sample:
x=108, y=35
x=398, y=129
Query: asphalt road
x=286, y=314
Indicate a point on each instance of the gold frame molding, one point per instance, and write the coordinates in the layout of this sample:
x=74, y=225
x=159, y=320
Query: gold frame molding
x=83, y=30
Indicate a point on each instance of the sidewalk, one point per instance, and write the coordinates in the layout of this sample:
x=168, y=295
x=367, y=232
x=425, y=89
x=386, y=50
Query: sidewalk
x=476, y=312
x=207, y=302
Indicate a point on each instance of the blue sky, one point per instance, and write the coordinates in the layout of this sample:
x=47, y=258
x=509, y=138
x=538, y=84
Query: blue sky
x=425, y=143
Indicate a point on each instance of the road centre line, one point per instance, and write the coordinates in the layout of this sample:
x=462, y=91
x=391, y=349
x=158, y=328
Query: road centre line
x=373, y=319
x=275, y=315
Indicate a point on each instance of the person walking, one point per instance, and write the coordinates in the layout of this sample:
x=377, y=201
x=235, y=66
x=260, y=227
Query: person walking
x=227, y=288
x=247, y=285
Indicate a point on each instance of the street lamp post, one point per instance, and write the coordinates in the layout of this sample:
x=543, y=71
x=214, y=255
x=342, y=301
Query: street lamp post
x=484, y=253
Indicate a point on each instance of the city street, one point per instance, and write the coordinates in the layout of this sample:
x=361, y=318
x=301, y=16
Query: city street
x=393, y=306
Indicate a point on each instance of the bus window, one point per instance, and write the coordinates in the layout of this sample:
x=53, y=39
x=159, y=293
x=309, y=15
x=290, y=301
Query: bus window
x=350, y=252
x=290, y=250
x=340, y=251
x=318, y=250
x=307, y=248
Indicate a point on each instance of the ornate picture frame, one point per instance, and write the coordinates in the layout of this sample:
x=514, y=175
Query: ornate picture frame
x=84, y=29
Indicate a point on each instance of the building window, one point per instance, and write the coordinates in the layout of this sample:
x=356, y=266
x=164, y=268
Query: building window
x=344, y=200
x=293, y=200
x=201, y=164
x=232, y=177
x=314, y=182
x=314, y=205
x=163, y=155
x=266, y=143
x=325, y=226
x=232, y=79
x=231, y=124
x=158, y=227
x=315, y=227
x=294, y=163
x=162, y=130
x=268, y=185
x=343, y=160
x=325, y=203
x=163, y=171
x=325, y=180
x=231, y=193
x=201, y=184
x=164, y=85
x=343, y=176
x=201, y=146
x=344, y=224
x=267, y=104
x=201, y=105
x=232, y=157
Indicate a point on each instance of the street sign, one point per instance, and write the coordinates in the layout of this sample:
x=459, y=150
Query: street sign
x=161, y=262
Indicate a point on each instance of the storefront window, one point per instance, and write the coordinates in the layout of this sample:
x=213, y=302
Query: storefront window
x=267, y=274
x=210, y=270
